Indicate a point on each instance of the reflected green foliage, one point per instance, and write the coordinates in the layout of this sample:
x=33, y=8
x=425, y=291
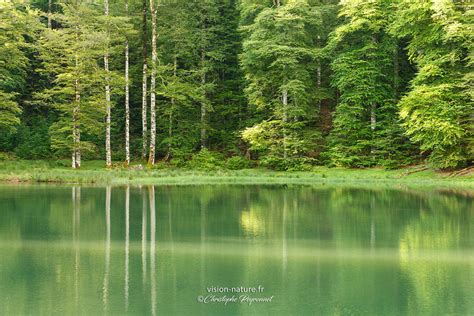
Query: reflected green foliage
x=312, y=247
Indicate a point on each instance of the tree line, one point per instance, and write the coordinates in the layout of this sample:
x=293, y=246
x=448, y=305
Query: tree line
x=286, y=84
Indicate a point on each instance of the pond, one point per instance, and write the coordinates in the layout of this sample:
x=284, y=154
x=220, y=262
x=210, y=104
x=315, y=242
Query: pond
x=236, y=250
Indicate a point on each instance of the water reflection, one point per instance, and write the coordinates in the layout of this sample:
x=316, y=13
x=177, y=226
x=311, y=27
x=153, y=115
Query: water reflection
x=412, y=251
x=151, y=191
x=127, y=244
x=105, y=289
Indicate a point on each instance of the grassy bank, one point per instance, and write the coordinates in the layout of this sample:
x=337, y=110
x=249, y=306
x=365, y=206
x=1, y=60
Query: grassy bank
x=93, y=172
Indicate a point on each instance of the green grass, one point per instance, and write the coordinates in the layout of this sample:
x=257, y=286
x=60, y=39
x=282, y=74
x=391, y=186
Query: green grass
x=94, y=172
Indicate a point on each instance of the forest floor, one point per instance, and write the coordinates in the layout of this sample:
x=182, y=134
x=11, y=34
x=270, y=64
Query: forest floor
x=93, y=172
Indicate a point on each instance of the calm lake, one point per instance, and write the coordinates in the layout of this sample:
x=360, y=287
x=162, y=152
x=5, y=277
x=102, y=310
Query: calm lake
x=171, y=250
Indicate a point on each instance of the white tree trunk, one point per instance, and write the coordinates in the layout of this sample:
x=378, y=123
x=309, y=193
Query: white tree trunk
x=373, y=118
x=144, y=84
x=318, y=74
x=108, y=154
x=76, y=133
x=127, y=101
x=284, y=99
x=151, y=158
x=50, y=5
x=203, y=103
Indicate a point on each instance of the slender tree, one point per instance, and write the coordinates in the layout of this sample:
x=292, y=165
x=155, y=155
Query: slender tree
x=108, y=152
x=127, y=98
x=144, y=80
x=154, y=57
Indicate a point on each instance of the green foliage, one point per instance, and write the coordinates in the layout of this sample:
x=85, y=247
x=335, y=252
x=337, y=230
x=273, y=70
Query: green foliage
x=237, y=163
x=279, y=58
x=17, y=26
x=437, y=112
x=206, y=160
x=366, y=130
x=289, y=84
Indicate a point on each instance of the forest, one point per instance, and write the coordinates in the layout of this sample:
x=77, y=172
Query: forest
x=280, y=84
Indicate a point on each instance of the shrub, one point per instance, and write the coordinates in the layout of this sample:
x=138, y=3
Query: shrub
x=206, y=160
x=237, y=163
x=289, y=164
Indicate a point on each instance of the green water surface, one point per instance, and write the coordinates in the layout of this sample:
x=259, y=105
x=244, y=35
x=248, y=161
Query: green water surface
x=67, y=250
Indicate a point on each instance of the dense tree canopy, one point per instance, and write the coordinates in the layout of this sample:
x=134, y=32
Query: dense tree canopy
x=286, y=84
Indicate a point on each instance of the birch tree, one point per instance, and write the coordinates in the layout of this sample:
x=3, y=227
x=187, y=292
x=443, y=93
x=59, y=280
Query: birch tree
x=108, y=152
x=154, y=57
x=144, y=80
x=127, y=98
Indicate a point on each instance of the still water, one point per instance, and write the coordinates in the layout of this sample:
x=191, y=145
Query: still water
x=320, y=250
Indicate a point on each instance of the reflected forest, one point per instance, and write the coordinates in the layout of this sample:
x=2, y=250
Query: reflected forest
x=150, y=250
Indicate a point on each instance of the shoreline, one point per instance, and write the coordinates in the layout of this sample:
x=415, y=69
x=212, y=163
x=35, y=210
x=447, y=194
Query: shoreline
x=31, y=172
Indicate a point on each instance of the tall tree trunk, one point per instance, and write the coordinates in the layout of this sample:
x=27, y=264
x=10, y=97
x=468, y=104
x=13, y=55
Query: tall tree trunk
x=76, y=132
x=203, y=103
x=373, y=118
x=127, y=100
x=108, y=154
x=318, y=75
x=284, y=99
x=50, y=9
x=396, y=73
x=151, y=158
x=144, y=82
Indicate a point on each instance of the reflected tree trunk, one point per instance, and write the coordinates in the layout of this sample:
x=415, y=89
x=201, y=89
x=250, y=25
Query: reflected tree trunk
x=105, y=288
x=127, y=243
x=152, y=249
x=203, y=241
x=144, y=235
x=284, y=220
x=76, y=204
x=173, y=264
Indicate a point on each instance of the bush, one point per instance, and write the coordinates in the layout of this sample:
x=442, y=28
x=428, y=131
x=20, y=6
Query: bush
x=289, y=164
x=6, y=157
x=237, y=163
x=206, y=160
